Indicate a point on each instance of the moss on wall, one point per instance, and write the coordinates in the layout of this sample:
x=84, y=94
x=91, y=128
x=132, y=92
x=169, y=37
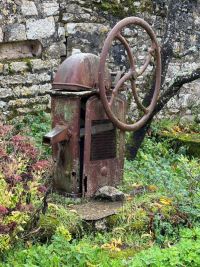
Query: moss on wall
x=124, y=8
x=190, y=140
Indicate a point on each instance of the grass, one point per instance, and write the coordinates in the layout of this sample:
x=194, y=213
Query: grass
x=157, y=226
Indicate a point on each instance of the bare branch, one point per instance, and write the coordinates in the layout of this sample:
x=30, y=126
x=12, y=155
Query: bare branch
x=191, y=51
x=172, y=89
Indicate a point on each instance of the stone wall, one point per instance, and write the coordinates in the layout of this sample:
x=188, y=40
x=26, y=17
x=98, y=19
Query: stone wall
x=35, y=36
x=26, y=70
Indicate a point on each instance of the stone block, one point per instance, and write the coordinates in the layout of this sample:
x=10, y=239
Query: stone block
x=34, y=90
x=1, y=68
x=20, y=49
x=61, y=32
x=187, y=119
x=71, y=28
x=23, y=91
x=109, y=193
x=39, y=29
x=56, y=50
x=1, y=35
x=28, y=8
x=25, y=102
x=173, y=111
x=44, y=88
x=50, y=8
x=28, y=78
x=88, y=37
x=193, y=101
x=2, y=104
x=5, y=93
x=37, y=107
x=18, y=66
x=183, y=100
x=76, y=13
x=15, y=32
x=38, y=64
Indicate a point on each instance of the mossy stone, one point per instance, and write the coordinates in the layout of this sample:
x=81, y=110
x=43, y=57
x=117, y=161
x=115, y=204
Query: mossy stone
x=125, y=8
x=190, y=140
x=112, y=220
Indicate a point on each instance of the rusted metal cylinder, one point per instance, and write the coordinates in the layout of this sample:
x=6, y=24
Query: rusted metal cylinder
x=80, y=72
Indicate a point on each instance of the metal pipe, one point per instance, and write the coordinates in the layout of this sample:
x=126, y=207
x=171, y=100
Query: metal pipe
x=58, y=134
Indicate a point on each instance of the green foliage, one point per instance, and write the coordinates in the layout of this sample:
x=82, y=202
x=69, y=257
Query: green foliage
x=29, y=64
x=114, y=8
x=163, y=191
x=55, y=217
x=61, y=253
x=164, y=124
x=10, y=70
x=185, y=253
x=34, y=126
x=179, y=135
x=156, y=164
x=166, y=187
x=123, y=8
x=63, y=201
x=62, y=231
x=21, y=185
x=175, y=126
x=5, y=243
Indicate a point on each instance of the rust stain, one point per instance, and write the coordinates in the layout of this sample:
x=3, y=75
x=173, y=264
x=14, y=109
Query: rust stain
x=65, y=110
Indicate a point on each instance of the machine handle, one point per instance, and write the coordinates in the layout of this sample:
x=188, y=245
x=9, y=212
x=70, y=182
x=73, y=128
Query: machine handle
x=132, y=74
x=58, y=134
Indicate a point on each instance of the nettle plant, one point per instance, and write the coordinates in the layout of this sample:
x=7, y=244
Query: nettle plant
x=23, y=184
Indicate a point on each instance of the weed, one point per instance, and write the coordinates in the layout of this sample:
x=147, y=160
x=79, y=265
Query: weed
x=20, y=185
x=163, y=190
x=35, y=126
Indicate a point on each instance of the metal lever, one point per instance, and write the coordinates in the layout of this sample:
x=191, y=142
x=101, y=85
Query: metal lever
x=58, y=134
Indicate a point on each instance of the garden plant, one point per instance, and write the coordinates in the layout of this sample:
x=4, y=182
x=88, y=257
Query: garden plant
x=158, y=224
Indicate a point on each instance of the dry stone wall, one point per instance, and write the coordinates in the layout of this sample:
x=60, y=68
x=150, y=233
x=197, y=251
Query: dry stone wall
x=35, y=36
x=32, y=44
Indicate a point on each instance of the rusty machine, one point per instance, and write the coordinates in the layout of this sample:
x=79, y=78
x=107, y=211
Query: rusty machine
x=88, y=115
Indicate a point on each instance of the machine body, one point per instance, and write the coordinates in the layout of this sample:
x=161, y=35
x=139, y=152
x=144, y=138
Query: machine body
x=89, y=116
x=87, y=148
